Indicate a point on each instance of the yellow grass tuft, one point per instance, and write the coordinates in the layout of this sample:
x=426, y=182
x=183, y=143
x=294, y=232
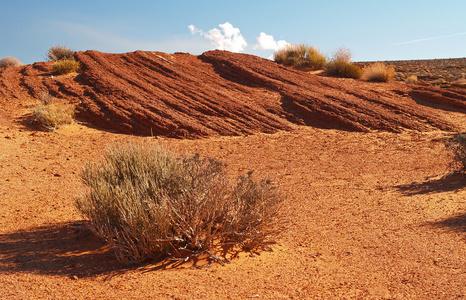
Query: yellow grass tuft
x=411, y=79
x=340, y=65
x=378, y=72
x=53, y=116
x=300, y=56
x=65, y=66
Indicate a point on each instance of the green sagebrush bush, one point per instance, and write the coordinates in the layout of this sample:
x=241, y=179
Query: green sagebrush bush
x=147, y=203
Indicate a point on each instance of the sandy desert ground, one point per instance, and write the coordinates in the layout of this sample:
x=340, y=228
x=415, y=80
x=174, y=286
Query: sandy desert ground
x=372, y=209
x=436, y=72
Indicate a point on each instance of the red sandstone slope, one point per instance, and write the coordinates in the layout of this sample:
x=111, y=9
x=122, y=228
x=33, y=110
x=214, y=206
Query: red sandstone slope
x=223, y=93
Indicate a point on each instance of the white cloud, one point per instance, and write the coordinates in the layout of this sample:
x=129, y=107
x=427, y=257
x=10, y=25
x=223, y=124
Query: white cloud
x=267, y=42
x=228, y=38
x=193, y=29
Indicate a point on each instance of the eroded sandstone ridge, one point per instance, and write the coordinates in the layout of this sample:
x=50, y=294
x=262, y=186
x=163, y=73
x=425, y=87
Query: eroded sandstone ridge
x=223, y=93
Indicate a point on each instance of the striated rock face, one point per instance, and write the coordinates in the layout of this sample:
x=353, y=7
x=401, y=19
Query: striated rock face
x=223, y=93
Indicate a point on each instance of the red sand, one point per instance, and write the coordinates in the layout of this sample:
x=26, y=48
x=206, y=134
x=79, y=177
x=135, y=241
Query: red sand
x=371, y=214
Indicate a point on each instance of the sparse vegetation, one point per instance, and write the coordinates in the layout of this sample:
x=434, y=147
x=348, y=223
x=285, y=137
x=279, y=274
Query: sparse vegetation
x=378, y=72
x=64, y=61
x=45, y=98
x=341, y=65
x=52, y=116
x=343, y=55
x=59, y=52
x=9, y=61
x=458, y=146
x=344, y=69
x=65, y=66
x=300, y=56
x=411, y=79
x=147, y=203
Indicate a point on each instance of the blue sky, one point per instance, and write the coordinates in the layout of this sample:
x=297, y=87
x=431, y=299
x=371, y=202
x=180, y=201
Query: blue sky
x=372, y=30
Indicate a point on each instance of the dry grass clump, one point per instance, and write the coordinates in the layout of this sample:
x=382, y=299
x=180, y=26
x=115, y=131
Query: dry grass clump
x=53, y=116
x=64, y=61
x=45, y=98
x=65, y=66
x=343, y=69
x=300, y=56
x=411, y=79
x=10, y=61
x=378, y=72
x=340, y=65
x=148, y=203
x=58, y=52
x=458, y=145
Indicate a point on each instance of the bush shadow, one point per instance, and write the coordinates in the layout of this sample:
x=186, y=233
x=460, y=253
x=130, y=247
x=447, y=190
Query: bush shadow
x=71, y=249
x=67, y=249
x=450, y=182
x=456, y=223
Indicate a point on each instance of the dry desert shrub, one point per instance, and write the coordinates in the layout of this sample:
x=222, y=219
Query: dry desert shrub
x=59, y=52
x=411, y=79
x=65, y=66
x=10, y=61
x=45, y=98
x=300, y=56
x=378, y=72
x=146, y=203
x=343, y=69
x=458, y=146
x=340, y=65
x=53, y=116
x=343, y=55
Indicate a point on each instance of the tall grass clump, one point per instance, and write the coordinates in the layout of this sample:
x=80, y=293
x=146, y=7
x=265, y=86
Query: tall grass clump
x=58, y=52
x=340, y=65
x=146, y=203
x=457, y=144
x=300, y=56
x=65, y=66
x=51, y=115
x=10, y=61
x=378, y=72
